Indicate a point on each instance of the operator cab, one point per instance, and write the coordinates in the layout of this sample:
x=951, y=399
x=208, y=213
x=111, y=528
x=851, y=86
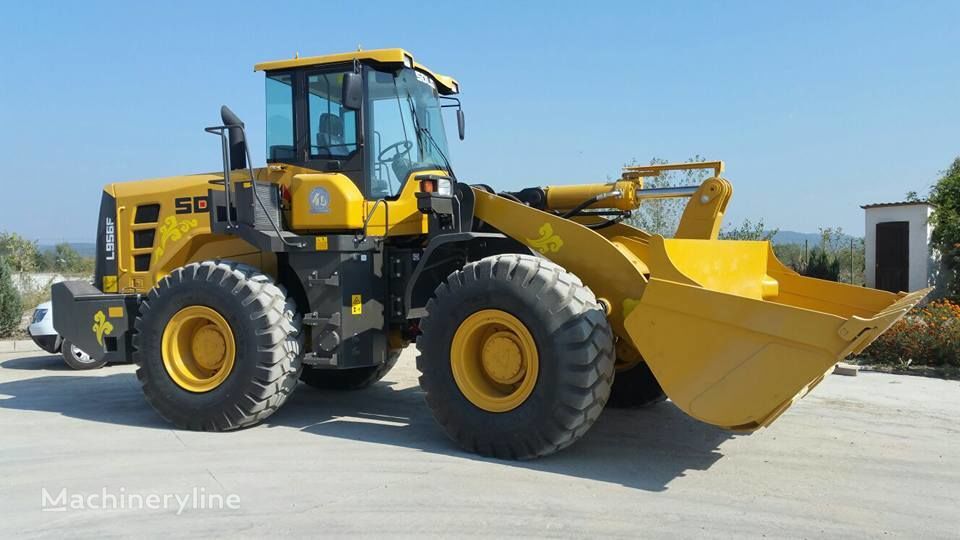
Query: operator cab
x=374, y=116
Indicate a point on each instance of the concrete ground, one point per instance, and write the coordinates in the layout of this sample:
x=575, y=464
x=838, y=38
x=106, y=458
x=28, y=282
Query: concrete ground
x=861, y=457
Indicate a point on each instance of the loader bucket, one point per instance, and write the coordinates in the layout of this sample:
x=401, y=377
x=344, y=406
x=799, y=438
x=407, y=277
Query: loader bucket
x=734, y=337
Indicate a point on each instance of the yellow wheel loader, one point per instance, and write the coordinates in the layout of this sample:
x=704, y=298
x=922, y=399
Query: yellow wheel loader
x=531, y=309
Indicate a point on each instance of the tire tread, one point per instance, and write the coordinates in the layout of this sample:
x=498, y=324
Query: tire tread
x=278, y=344
x=586, y=372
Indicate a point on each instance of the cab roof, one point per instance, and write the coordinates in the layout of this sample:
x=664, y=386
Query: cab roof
x=399, y=57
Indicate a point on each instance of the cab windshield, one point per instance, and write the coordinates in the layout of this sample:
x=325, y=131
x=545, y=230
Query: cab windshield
x=404, y=117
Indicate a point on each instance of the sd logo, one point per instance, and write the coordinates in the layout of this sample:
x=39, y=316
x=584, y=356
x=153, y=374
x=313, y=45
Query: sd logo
x=187, y=205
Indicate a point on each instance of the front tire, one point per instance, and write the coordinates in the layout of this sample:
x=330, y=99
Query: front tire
x=216, y=346
x=516, y=357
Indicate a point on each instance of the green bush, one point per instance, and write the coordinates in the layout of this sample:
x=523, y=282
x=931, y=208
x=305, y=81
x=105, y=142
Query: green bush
x=945, y=197
x=822, y=265
x=11, y=308
x=927, y=336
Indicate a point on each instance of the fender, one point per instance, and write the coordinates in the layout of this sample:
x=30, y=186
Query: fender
x=447, y=253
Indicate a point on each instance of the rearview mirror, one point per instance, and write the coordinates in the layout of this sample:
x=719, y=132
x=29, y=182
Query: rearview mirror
x=460, y=122
x=352, y=91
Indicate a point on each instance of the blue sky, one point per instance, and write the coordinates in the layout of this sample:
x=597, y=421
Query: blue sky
x=816, y=107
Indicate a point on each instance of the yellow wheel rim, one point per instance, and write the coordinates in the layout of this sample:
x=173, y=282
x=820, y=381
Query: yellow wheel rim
x=198, y=349
x=494, y=360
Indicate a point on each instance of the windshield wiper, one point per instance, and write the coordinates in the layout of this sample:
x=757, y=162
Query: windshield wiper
x=429, y=136
x=446, y=162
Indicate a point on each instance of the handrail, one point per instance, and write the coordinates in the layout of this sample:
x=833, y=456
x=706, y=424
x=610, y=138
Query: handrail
x=386, y=220
x=227, y=187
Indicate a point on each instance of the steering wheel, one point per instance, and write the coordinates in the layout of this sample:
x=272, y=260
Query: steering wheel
x=397, y=152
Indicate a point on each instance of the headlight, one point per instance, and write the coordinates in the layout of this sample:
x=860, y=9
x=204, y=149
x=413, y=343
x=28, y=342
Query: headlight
x=444, y=187
x=38, y=315
x=436, y=184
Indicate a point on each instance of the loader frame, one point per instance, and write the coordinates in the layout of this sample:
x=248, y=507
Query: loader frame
x=731, y=335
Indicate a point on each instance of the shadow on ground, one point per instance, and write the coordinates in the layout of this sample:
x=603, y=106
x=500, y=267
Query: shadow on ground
x=103, y=395
x=41, y=362
x=644, y=449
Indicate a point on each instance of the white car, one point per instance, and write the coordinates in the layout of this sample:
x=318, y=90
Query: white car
x=42, y=333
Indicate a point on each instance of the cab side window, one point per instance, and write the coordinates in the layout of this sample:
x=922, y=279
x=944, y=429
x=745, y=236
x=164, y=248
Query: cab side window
x=332, y=128
x=279, y=100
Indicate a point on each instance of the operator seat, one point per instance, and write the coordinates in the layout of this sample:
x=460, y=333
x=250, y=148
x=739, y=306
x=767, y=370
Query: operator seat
x=330, y=137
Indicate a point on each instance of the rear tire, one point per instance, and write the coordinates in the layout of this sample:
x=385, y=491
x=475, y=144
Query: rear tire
x=77, y=359
x=573, y=353
x=264, y=328
x=348, y=379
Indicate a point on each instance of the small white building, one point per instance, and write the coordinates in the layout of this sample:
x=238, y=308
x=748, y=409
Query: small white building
x=897, y=241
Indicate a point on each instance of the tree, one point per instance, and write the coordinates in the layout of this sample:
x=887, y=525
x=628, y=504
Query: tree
x=849, y=253
x=11, y=308
x=66, y=259
x=63, y=258
x=749, y=230
x=945, y=196
x=838, y=257
x=822, y=265
x=792, y=255
x=661, y=216
x=21, y=254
